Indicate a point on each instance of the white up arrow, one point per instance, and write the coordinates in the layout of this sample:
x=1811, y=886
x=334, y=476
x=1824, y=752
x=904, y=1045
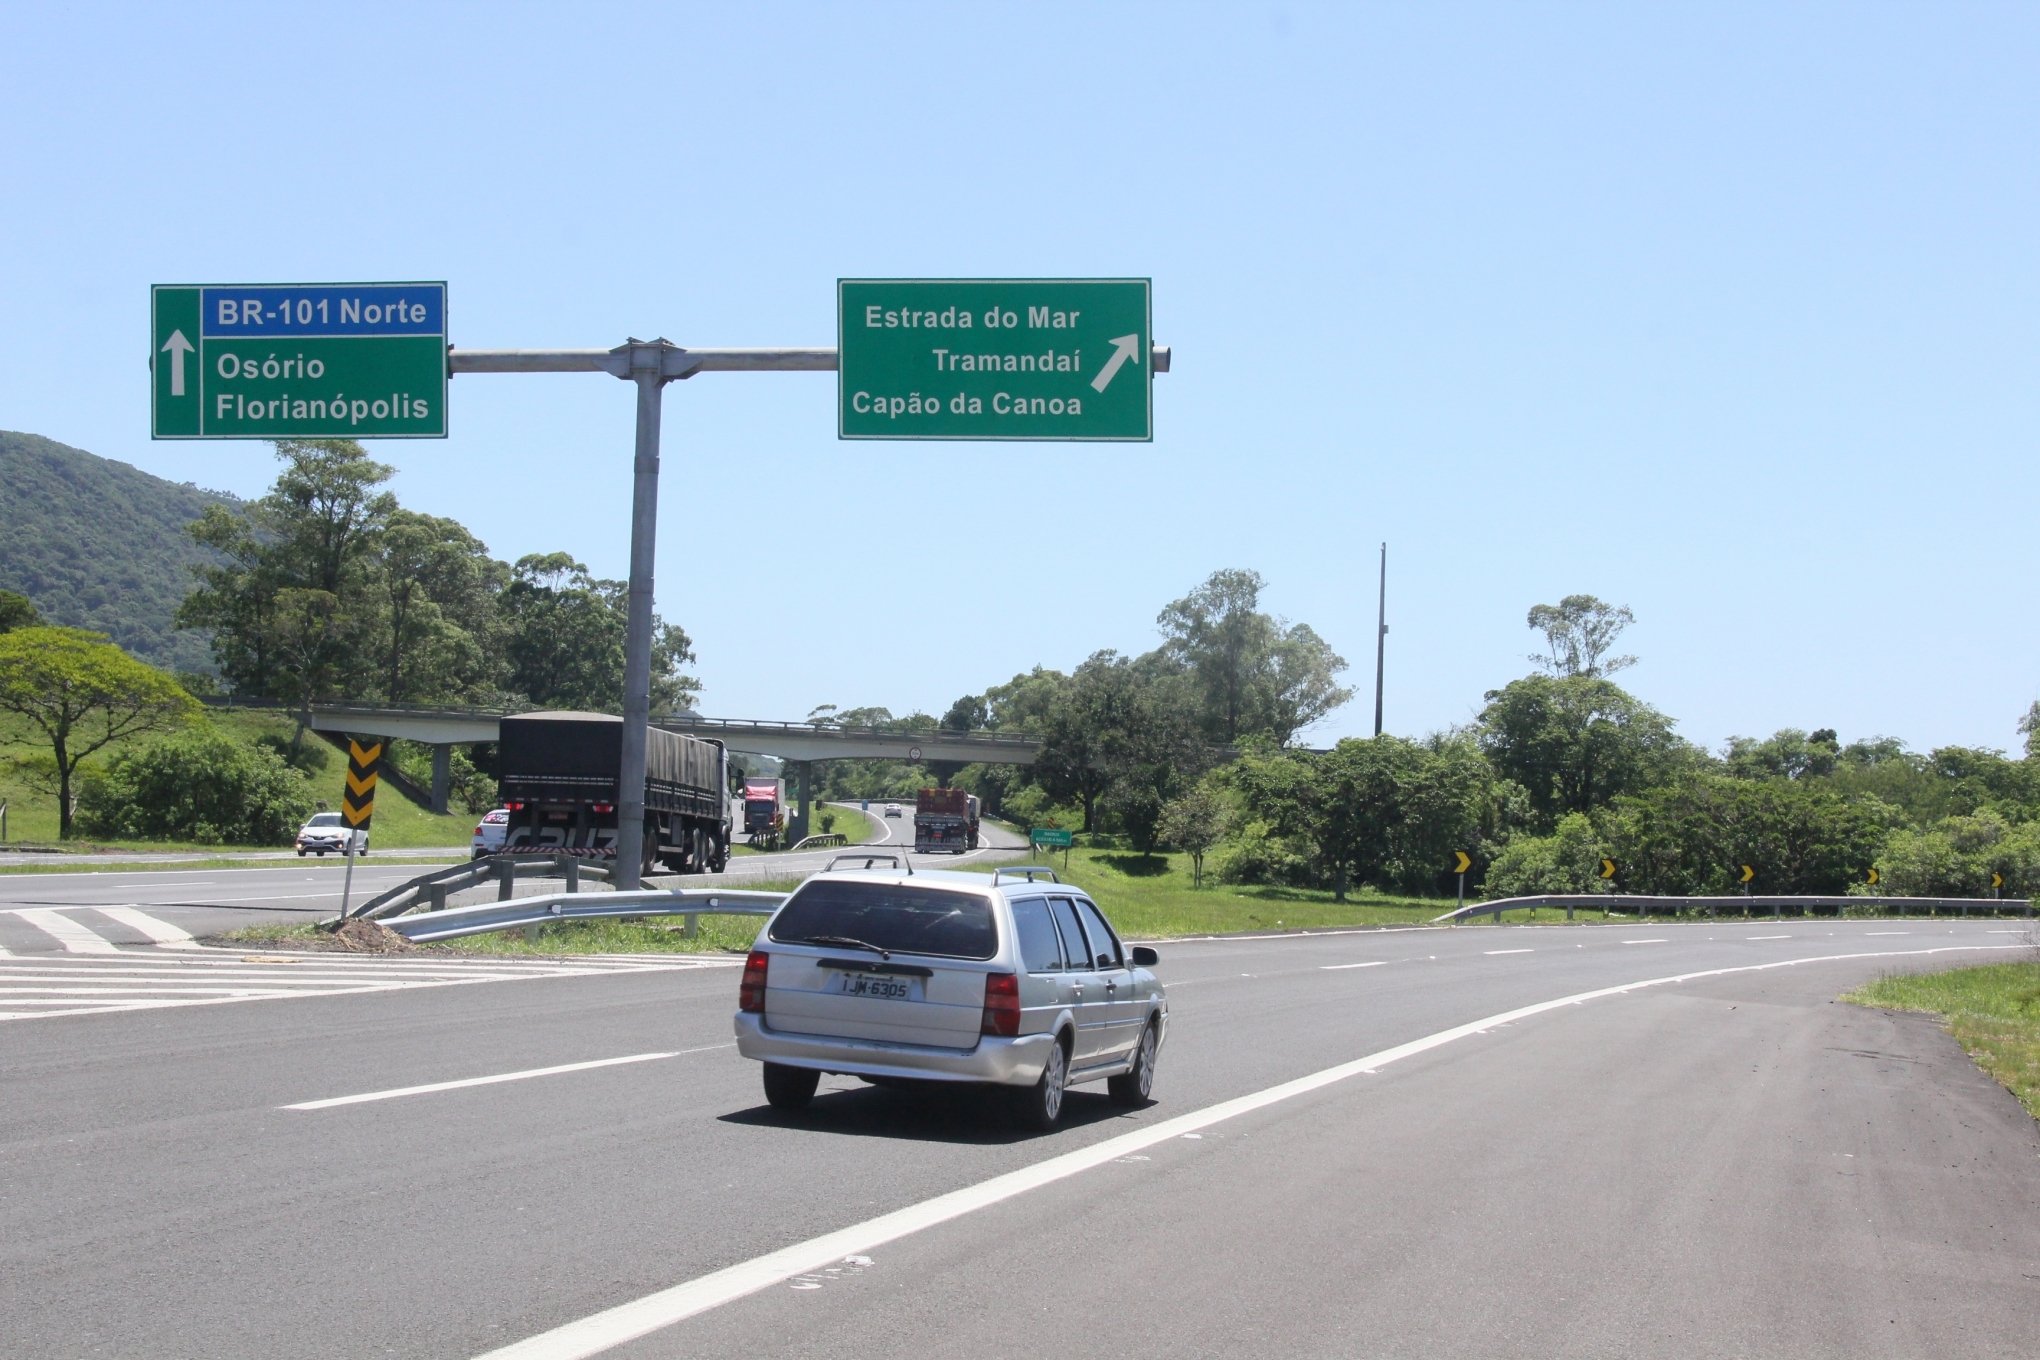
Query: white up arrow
x=1125, y=347
x=177, y=347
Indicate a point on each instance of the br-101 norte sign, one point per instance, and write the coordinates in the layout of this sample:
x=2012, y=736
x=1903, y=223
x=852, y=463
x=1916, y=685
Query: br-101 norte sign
x=1034, y=359
x=298, y=361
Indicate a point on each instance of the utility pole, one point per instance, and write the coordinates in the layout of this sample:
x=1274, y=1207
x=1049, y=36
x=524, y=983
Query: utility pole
x=1381, y=640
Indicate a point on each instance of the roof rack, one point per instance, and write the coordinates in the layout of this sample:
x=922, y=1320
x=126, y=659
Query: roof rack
x=870, y=861
x=1030, y=872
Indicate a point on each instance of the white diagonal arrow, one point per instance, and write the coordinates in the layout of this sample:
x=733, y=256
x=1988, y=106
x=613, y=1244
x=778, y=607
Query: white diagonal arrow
x=177, y=347
x=1126, y=347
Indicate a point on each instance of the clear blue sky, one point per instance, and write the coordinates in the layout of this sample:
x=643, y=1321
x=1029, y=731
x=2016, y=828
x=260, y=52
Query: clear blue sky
x=1726, y=312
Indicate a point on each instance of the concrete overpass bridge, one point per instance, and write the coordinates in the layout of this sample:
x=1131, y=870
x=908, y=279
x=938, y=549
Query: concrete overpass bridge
x=798, y=744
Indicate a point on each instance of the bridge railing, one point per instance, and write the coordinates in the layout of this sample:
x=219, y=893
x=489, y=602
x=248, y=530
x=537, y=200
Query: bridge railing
x=1641, y=906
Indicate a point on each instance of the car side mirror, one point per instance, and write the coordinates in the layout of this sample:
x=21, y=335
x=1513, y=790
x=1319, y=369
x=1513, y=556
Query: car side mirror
x=1144, y=957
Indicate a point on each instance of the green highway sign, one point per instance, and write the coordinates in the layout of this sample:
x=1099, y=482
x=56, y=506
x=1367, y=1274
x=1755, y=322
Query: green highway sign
x=298, y=361
x=1042, y=836
x=1030, y=359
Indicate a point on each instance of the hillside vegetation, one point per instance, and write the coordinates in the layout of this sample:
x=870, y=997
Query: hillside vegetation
x=101, y=545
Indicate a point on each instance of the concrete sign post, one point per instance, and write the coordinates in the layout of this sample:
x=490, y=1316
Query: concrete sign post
x=298, y=361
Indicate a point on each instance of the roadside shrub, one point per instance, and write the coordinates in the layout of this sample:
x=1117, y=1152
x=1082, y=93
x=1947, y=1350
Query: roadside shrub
x=312, y=755
x=1566, y=862
x=197, y=785
x=1255, y=854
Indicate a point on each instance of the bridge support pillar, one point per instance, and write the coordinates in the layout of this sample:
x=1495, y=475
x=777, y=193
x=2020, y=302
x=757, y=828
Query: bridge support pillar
x=442, y=774
x=802, y=773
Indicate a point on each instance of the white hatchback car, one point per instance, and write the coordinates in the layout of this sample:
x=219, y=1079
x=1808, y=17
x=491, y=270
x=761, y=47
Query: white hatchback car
x=326, y=832
x=1012, y=980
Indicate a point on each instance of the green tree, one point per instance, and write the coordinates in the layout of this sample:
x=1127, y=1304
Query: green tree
x=1252, y=673
x=440, y=585
x=564, y=639
x=17, y=611
x=196, y=785
x=82, y=693
x=1578, y=631
x=314, y=532
x=1193, y=822
x=1576, y=742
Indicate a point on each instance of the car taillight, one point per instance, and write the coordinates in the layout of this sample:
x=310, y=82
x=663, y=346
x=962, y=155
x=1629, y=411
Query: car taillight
x=605, y=808
x=1002, y=1005
x=478, y=830
x=751, y=992
x=514, y=807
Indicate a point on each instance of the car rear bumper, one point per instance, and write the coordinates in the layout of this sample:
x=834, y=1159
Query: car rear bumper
x=1000, y=1062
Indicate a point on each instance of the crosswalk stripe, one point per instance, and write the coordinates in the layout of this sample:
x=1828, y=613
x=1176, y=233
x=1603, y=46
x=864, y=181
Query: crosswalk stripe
x=75, y=938
x=162, y=932
x=89, y=980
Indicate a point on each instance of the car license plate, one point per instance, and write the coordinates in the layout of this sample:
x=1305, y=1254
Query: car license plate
x=880, y=985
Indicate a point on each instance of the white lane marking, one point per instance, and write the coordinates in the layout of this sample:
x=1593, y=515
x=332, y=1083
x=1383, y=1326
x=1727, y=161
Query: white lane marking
x=1646, y=942
x=75, y=938
x=1509, y=951
x=613, y=1327
x=1334, y=967
x=161, y=932
x=491, y=1081
x=2004, y=932
x=1767, y=937
x=1887, y=932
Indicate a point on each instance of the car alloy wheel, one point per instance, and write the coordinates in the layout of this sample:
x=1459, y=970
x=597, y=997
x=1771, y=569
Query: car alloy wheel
x=1132, y=1087
x=1040, y=1105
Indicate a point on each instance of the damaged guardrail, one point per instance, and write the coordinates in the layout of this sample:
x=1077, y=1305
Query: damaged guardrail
x=1640, y=906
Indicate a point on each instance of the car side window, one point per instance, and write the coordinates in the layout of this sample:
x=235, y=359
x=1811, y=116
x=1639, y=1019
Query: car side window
x=1074, y=947
x=1104, y=944
x=1040, y=949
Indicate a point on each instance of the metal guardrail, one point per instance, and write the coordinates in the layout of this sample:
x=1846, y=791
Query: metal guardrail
x=434, y=888
x=1640, y=906
x=823, y=840
x=691, y=903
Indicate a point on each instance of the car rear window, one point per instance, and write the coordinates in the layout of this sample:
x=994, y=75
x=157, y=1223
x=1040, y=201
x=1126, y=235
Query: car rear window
x=896, y=917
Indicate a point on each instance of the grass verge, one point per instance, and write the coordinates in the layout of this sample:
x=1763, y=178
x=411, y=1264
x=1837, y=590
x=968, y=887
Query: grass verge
x=1992, y=1010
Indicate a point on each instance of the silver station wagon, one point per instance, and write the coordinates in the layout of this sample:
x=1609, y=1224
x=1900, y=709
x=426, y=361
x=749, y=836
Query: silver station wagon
x=1011, y=980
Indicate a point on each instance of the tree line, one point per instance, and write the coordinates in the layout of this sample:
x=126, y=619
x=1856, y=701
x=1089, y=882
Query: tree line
x=327, y=587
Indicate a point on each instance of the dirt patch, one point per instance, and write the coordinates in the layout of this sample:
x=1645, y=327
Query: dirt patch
x=371, y=937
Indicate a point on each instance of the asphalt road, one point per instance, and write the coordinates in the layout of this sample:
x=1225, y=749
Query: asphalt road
x=51, y=913
x=1423, y=1142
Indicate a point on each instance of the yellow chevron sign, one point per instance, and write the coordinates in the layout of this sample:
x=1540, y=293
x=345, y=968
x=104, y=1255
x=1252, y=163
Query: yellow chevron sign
x=1997, y=880
x=357, y=805
x=1747, y=874
x=1873, y=877
x=1607, y=868
x=1465, y=861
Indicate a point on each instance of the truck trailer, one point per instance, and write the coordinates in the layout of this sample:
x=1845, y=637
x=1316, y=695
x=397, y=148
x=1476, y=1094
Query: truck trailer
x=560, y=777
x=945, y=819
x=764, y=811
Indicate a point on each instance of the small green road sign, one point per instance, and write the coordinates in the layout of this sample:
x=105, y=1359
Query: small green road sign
x=1056, y=840
x=1030, y=359
x=298, y=361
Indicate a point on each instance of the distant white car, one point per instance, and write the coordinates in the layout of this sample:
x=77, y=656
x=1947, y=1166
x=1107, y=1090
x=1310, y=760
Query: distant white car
x=892, y=809
x=490, y=831
x=326, y=832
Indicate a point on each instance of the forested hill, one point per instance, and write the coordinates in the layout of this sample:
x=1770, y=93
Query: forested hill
x=101, y=545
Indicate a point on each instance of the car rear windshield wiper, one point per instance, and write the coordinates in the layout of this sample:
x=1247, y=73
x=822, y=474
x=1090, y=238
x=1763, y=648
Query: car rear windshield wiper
x=846, y=941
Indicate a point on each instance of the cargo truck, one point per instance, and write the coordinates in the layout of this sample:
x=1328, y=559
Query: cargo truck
x=764, y=812
x=945, y=819
x=559, y=774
